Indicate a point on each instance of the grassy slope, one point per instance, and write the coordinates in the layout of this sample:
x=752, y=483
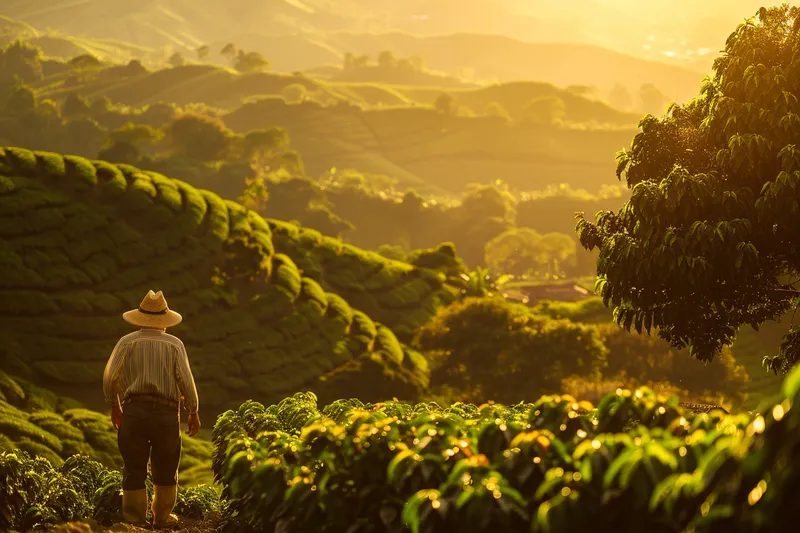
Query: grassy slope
x=83, y=241
x=53, y=427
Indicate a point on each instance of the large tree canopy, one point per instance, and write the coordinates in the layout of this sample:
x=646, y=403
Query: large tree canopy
x=710, y=240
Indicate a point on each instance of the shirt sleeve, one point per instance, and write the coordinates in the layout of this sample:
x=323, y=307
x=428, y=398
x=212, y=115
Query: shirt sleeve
x=183, y=373
x=111, y=373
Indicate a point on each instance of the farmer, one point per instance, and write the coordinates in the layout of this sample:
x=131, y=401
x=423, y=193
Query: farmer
x=146, y=378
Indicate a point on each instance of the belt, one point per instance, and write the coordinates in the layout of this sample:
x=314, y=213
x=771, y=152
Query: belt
x=150, y=398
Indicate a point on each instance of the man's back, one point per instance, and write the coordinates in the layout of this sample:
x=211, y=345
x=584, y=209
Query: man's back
x=150, y=362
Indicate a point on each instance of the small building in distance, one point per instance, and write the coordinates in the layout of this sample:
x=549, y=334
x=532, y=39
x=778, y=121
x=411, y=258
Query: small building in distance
x=559, y=292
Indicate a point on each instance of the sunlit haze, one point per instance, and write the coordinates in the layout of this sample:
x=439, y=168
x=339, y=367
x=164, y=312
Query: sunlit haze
x=399, y=266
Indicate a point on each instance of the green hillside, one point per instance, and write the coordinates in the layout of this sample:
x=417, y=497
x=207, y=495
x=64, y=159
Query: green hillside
x=44, y=424
x=225, y=88
x=393, y=130
x=83, y=241
x=426, y=149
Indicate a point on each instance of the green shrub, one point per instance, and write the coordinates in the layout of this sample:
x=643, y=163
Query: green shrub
x=636, y=462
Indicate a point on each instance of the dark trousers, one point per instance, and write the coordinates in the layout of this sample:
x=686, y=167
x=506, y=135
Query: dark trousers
x=149, y=432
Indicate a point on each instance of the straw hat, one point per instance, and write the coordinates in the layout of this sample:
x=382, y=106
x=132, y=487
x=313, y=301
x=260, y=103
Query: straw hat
x=153, y=312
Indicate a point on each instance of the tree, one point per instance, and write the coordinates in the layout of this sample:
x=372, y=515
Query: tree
x=445, y=104
x=22, y=59
x=20, y=100
x=203, y=53
x=247, y=62
x=138, y=135
x=490, y=349
x=75, y=105
x=442, y=258
x=134, y=68
x=349, y=61
x=708, y=241
x=229, y=51
x=545, y=110
x=84, y=136
x=386, y=59
x=492, y=200
x=523, y=251
x=176, y=60
x=652, y=99
x=199, y=137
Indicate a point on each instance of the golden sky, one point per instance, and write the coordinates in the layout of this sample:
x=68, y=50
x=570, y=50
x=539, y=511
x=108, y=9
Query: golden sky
x=684, y=31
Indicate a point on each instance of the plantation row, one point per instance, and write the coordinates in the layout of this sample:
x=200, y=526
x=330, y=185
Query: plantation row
x=55, y=428
x=637, y=462
x=34, y=494
x=82, y=241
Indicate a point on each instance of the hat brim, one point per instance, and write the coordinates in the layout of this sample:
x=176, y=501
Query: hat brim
x=137, y=318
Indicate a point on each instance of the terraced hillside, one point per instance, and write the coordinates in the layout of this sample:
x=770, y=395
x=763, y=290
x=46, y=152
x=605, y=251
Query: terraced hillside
x=44, y=424
x=225, y=88
x=82, y=241
x=433, y=152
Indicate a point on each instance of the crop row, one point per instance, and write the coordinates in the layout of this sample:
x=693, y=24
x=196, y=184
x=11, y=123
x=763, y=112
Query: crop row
x=635, y=462
x=34, y=494
x=82, y=241
x=55, y=428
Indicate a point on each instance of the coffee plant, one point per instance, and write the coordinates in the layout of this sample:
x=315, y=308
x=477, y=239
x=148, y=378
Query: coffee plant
x=34, y=494
x=636, y=462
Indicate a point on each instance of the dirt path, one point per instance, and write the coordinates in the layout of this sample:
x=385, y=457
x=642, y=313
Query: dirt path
x=208, y=525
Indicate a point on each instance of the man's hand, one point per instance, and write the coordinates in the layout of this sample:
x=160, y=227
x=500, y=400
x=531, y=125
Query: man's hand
x=116, y=416
x=194, y=424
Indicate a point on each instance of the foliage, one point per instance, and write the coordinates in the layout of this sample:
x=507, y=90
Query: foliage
x=491, y=349
x=707, y=242
x=56, y=428
x=20, y=59
x=199, y=137
x=34, y=494
x=445, y=104
x=523, y=251
x=636, y=462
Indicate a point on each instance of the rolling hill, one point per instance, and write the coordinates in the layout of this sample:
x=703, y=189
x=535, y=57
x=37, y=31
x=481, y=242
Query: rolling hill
x=119, y=31
x=82, y=241
x=393, y=130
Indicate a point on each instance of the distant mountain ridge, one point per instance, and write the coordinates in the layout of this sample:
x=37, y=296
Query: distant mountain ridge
x=296, y=36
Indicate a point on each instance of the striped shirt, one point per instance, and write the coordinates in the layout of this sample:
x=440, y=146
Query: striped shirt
x=152, y=362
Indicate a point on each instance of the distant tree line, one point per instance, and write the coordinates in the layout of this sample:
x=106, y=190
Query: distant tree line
x=385, y=60
x=241, y=60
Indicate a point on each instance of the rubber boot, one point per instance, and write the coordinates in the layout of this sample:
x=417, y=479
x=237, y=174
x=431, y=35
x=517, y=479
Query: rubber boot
x=134, y=507
x=164, y=499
